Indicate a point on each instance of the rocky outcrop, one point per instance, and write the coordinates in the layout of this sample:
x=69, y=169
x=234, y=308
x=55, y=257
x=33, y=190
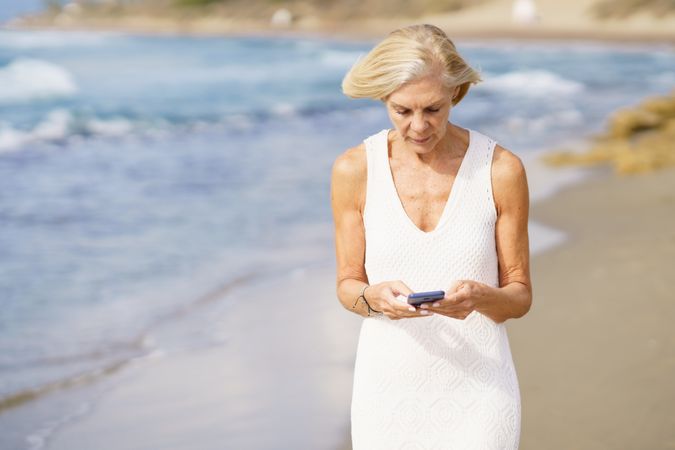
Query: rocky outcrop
x=639, y=139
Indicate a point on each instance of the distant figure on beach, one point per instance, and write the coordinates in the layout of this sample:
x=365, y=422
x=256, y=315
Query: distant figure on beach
x=430, y=206
x=524, y=11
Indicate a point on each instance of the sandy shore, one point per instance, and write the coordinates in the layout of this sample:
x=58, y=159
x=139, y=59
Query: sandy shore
x=596, y=354
x=493, y=19
x=280, y=379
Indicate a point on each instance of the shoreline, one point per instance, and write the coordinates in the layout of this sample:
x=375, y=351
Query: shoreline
x=617, y=40
x=524, y=36
x=490, y=20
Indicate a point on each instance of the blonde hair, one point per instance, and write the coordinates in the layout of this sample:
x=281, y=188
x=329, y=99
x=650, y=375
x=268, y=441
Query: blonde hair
x=407, y=54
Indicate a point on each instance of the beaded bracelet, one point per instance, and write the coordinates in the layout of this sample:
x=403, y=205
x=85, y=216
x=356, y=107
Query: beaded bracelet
x=361, y=296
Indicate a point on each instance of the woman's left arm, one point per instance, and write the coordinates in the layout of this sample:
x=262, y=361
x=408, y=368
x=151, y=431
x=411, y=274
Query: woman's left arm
x=513, y=297
x=510, y=191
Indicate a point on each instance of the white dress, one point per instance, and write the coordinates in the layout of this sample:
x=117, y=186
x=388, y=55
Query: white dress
x=433, y=382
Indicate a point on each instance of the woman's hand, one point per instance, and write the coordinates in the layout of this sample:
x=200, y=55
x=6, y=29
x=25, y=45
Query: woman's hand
x=382, y=297
x=461, y=299
x=499, y=304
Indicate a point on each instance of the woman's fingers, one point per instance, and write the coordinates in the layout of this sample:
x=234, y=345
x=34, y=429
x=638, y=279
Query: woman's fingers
x=399, y=309
x=391, y=299
x=400, y=288
x=457, y=305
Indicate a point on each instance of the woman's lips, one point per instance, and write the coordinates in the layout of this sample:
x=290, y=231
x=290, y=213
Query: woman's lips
x=420, y=141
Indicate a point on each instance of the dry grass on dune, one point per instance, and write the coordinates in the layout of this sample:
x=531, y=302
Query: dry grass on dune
x=332, y=9
x=624, y=8
x=639, y=139
x=380, y=8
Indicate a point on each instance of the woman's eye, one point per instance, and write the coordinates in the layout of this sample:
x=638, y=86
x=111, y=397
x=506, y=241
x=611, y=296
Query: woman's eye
x=401, y=112
x=433, y=110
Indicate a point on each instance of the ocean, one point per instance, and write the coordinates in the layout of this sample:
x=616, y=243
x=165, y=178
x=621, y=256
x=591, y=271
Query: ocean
x=142, y=177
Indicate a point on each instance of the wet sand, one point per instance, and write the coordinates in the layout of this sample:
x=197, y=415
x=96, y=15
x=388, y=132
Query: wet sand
x=281, y=378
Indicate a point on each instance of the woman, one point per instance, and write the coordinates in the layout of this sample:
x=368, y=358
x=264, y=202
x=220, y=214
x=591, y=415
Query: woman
x=429, y=205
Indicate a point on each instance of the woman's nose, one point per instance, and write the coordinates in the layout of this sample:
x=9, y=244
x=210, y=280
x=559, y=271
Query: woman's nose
x=418, y=123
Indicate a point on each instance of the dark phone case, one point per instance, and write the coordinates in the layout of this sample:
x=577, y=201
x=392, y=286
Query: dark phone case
x=418, y=298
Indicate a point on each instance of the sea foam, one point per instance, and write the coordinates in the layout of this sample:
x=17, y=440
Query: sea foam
x=531, y=83
x=25, y=80
x=60, y=125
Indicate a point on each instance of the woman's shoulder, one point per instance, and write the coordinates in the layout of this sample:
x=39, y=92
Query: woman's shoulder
x=349, y=176
x=509, y=180
x=352, y=164
x=506, y=164
x=350, y=167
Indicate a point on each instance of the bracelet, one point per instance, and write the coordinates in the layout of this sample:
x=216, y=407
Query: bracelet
x=362, y=296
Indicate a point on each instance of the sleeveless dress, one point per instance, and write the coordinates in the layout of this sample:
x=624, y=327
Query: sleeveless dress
x=433, y=382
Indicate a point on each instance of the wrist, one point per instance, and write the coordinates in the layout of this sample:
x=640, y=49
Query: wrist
x=487, y=298
x=369, y=310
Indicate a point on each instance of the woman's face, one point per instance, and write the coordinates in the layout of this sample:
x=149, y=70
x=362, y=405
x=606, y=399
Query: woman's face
x=419, y=111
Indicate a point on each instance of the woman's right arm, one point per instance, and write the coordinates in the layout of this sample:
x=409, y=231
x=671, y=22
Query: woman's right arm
x=348, y=195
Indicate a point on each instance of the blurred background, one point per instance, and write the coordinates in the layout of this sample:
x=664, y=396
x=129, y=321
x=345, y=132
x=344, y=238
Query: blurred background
x=166, y=250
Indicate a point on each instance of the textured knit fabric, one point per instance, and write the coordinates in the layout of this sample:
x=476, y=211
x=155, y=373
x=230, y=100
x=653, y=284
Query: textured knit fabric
x=433, y=382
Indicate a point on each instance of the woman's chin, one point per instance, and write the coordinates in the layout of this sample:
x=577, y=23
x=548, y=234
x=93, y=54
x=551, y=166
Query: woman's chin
x=424, y=144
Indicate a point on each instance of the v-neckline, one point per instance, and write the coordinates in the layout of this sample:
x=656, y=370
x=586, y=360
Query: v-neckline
x=450, y=201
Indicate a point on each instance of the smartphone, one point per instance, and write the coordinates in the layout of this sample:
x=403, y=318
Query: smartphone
x=418, y=298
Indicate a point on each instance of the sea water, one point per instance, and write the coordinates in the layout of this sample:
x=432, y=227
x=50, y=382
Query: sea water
x=142, y=177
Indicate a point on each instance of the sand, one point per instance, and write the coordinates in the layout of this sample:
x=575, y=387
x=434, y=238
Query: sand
x=280, y=378
x=596, y=354
x=571, y=19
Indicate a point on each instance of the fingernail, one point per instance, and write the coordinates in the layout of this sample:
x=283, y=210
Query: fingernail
x=411, y=309
x=424, y=313
x=437, y=304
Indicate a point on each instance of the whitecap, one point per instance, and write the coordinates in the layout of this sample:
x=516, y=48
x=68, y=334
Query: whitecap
x=53, y=128
x=26, y=79
x=284, y=110
x=531, y=83
x=60, y=125
x=544, y=122
x=111, y=127
x=11, y=138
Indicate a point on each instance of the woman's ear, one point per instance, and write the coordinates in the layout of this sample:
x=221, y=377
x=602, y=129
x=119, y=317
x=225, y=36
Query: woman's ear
x=455, y=92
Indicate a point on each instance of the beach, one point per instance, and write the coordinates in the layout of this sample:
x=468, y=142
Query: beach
x=186, y=296
x=551, y=20
x=596, y=353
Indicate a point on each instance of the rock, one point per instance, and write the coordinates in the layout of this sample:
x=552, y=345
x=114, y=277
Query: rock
x=641, y=139
x=627, y=122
